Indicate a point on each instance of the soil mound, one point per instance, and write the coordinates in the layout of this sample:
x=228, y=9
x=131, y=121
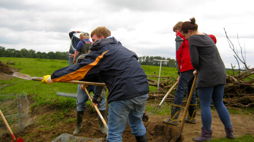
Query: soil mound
x=5, y=68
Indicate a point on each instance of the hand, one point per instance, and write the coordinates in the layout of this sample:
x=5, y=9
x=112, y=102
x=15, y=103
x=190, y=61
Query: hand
x=97, y=100
x=47, y=79
x=71, y=55
x=195, y=72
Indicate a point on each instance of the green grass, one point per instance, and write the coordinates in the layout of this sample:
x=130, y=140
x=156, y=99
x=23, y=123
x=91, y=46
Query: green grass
x=44, y=94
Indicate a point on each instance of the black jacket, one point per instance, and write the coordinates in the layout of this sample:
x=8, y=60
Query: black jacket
x=206, y=60
x=115, y=65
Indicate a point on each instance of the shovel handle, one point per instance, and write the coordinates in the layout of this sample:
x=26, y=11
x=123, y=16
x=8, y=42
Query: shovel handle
x=7, y=125
x=169, y=91
x=74, y=82
x=188, y=102
x=95, y=106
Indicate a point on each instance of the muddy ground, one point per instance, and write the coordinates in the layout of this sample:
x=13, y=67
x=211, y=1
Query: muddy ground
x=157, y=131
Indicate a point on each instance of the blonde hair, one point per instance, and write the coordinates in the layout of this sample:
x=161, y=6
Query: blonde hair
x=101, y=31
x=85, y=35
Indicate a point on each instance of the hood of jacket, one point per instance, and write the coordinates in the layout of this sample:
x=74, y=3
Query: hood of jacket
x=104, y=42
x=201, y=40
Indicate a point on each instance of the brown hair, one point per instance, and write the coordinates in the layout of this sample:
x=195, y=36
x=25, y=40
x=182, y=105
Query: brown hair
x=101, y=31
x=189, y=25
x=177, y=26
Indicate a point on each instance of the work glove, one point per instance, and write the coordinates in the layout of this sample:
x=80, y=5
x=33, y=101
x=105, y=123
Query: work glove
x=195, y=72
x=46, y=79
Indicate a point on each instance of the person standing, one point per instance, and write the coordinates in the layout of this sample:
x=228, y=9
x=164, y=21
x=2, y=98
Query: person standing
x=185, y=70
x=74, y=42
x=82, y=47
x=210, y=70
x=126, y=81
x=81, y=50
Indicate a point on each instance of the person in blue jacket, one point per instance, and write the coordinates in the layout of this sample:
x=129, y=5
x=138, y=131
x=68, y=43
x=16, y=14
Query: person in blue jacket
x=74, y=42
x=126, y=81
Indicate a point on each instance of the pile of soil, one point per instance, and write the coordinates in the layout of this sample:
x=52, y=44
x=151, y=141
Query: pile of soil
x=5, y=68
x=156, y=130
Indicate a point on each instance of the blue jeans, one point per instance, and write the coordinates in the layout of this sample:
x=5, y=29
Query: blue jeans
x=82, y=97
x=121, y=112
x=183, y=89
x=215, y=94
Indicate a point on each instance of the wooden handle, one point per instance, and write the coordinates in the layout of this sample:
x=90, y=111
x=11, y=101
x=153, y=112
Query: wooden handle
x=7, y=125
x=95, y=106
x=169, y=91
x=74, y=82
x=188, y=103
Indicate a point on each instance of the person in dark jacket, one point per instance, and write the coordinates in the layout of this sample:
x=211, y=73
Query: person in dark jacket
x=210, y=70
x=74, y=42
x=126, y=81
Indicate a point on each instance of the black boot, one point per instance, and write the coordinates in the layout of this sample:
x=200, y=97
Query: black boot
x=102, y=128
x=206, y=135
x=79, y=122
x=141, y=138
x=173, y=120
x=229, y=133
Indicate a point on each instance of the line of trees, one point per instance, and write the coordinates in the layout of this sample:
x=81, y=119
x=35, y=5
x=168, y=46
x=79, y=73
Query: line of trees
x=151, y=60
x=24, y=53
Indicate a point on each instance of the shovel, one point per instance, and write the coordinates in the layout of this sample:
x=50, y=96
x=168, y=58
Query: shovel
x=28, y=77
x=14, y=139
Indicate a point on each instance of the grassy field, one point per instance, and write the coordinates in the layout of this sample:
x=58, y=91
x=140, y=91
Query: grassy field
x=45, y=94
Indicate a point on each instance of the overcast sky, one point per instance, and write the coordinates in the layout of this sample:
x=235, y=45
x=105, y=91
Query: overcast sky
x=144, y=26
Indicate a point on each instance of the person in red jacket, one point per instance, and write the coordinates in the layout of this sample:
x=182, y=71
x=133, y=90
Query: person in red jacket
x=185, y=69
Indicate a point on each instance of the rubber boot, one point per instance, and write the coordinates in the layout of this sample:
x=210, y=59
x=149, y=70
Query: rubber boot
x=79, y=122
x=229, y=133
x=141, y=138
x=102, y=128
x=206, y=135
x=173, y=120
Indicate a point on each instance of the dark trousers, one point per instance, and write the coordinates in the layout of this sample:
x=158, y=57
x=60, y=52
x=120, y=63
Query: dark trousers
x=183, y=89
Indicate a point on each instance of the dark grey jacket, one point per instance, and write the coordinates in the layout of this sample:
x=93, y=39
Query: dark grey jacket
x=206, y=60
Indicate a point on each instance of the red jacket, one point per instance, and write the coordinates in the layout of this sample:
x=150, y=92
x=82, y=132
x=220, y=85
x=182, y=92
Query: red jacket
x=183, y=54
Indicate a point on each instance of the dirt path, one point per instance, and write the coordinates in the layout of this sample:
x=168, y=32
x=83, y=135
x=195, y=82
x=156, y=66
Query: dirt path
x=243, y=124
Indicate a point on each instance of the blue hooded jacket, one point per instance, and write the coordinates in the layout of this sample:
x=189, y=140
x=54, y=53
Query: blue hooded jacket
x=114, y=64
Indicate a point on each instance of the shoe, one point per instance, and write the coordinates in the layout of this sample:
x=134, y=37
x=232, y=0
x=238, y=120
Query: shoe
x=206, y=135
x=171, y=122
x=229, y=133
x=79, y=122
x=190, y=121
x=141, y=138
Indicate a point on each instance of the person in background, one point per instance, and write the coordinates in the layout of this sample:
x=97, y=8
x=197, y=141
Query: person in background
x=82, y=49
x=210, y=70
x=74, y=42
x=127, y=83
x=185, y=70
